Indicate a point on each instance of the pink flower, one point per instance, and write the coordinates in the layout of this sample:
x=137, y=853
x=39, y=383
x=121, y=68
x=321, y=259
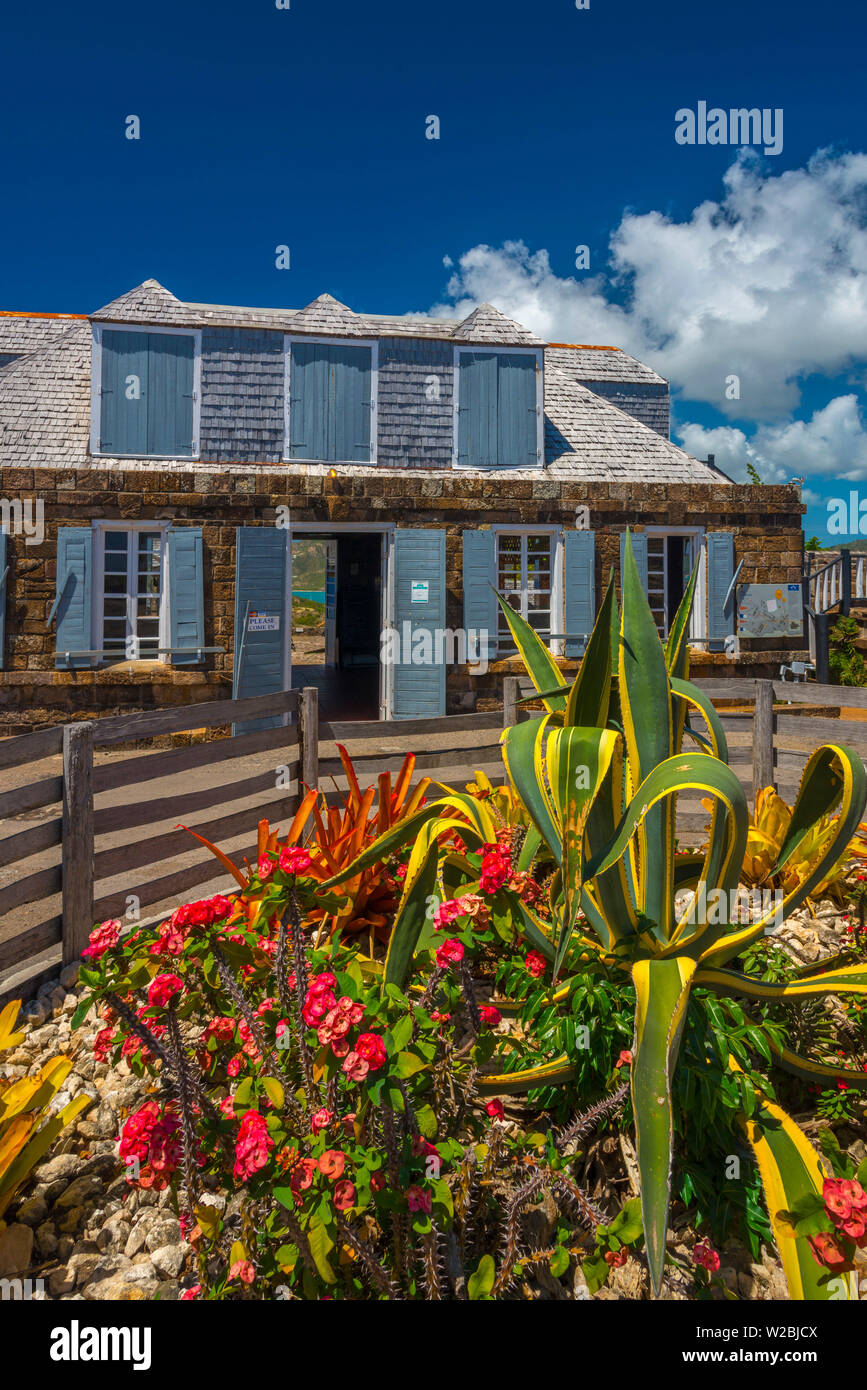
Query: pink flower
x=495, y=1109
x=490, y=1016
x=294, y=861
x=243, y=1270
x=102, y=939
x=704, y=1254
x=355, y=1067
x=535, y=963
x=624, y=1060
x=371, y=1047
x=265, y=867
x=227, y=1107
x=321, y=1119
x=162, y=990
x=189, y=1294
x=495, y=872
x=344, y=1195
x=450, y=952
x=252, y=1145
x=446, y=913
x=418, y=1199
x=301, y=1176
x=102, y=1043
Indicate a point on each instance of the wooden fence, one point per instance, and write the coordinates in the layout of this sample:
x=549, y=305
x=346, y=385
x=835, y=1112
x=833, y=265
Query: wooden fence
x=104, y=828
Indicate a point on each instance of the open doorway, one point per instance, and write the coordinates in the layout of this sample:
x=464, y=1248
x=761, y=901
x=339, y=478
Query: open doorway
x=337, y=620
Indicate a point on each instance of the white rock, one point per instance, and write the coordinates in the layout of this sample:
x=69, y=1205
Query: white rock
x=169, y=1260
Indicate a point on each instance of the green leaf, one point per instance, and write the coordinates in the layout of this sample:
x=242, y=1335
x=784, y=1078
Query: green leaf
x=559, y=1262
x=427, y=1121
x=540, y=664
x=321, y=1244
x=481, y=1281
x=274, y=1092
x=407, y=1064
x=401, y=1033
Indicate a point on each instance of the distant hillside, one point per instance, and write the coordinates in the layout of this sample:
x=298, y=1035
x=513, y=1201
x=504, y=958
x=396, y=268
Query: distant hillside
x=308, y=565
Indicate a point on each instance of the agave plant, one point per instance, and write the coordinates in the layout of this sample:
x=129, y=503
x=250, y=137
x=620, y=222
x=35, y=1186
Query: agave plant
x=765, y=836
x=600, y=773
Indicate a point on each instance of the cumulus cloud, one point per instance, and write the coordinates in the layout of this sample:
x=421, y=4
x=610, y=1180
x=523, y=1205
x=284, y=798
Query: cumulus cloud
x=769, y=284
x=832, y=443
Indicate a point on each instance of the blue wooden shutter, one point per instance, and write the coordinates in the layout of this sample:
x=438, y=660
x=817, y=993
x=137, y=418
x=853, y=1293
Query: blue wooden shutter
x=477, y=409
x=72, y=603
x=480, y=603
x=517, y=414
x=639, y=550
x=330, y=402
x=186, y=595
x=580, y=586
x=420, y=557
x=4, y=561
x=261, y=584
x=498, y=410
x=349, y=436
x=720, y=572
x=123, y=419
x=170, y=394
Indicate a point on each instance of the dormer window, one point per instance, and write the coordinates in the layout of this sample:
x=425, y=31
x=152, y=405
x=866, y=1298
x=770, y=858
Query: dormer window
x=498, y=408
x=145, y=398
x=330, y=401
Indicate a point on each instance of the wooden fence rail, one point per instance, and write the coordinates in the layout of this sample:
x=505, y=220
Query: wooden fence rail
x=97, y=798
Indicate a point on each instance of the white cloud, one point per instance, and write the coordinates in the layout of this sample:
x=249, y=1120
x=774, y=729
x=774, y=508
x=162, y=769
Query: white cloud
x=769, y=284
x=832, y=443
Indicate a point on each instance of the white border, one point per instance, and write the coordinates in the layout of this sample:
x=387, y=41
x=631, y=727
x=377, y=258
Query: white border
x=373, y=344
x=556, y=646
x=698, y=537
x=98, y=529
x=386, y=531
x=493, y=350
x=96, y=385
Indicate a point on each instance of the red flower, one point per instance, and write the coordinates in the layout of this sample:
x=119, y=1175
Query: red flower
x=615, y=1258
x=624, y=1060
x=489, y=1015
x=252, y=1146
x=332, y=1164
x=704, y=1254
x=495, y=1109
x=265, y=867
x=495, y=871
x=243, y=1270
x=535, y=963
x=189, y=1294
x=450, y=952
x=321, y=1119
x=102, y=1043
x=344, y=1195
x=355, y=1067
x=418, y=1199
x=294, y=860
x=371, y=1047
x=162, y=990
x=829, y=1252
x=302, y=1175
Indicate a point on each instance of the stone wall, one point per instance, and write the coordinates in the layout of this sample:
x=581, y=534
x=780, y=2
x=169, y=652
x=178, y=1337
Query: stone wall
x=766, y=520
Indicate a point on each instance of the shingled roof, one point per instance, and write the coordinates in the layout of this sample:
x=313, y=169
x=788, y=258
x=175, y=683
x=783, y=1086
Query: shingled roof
x=24, y=333
x=45, y=395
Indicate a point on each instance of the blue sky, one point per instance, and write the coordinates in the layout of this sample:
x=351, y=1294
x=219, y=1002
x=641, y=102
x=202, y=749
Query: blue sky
x=306, y=127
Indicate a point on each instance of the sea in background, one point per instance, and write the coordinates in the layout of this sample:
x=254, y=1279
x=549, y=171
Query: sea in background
x=314, y=595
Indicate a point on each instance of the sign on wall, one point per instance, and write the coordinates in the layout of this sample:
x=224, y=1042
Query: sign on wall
x=263, y=622
x=770, y=610
x=420, y=591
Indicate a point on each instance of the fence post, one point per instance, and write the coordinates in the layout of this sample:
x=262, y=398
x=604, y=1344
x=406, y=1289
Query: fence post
x=77, y=841
x=308, y=735
x=510, y=701
x=763, y=737
x=821, y=629
x=845, y=581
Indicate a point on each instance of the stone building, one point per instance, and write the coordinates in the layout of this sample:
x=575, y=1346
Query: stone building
x=158, y=459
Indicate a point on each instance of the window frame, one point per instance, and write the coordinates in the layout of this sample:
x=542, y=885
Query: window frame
x=99, y=529
x=495, y=350
x=555, y=645
x=96, y=385
x=698, y=552
x=326, y=341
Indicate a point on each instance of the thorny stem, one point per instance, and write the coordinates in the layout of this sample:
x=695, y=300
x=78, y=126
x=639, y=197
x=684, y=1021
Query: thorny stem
x=584, y=1124
x=183, y=1092
x=469, y=993
x=299, y=961
x=378, y=1276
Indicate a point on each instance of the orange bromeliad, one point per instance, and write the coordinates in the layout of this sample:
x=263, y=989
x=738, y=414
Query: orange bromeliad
x=335, y=836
